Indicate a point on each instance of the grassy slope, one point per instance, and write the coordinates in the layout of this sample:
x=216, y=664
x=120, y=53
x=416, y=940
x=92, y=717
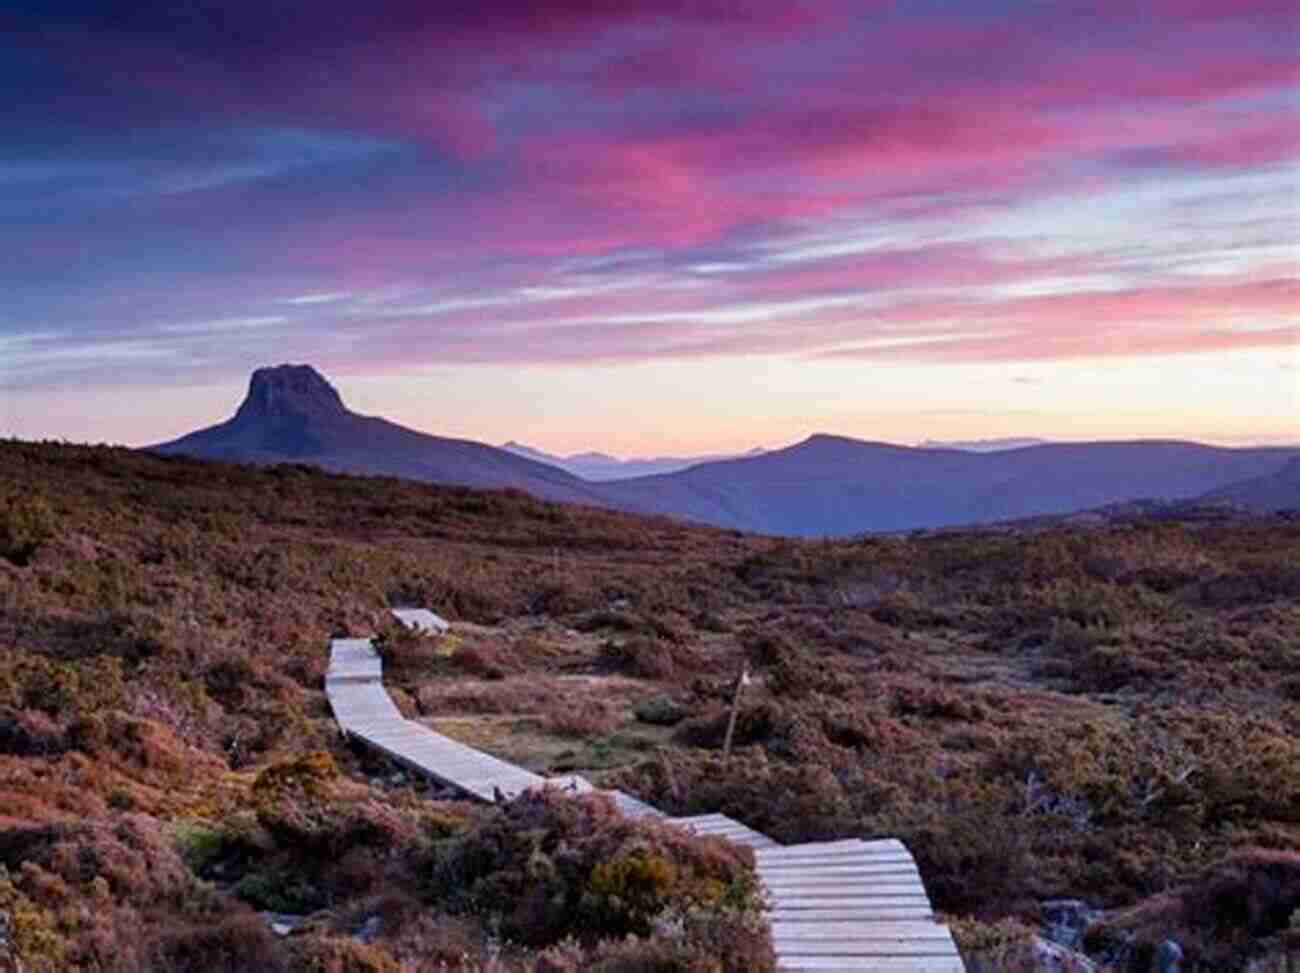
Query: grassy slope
x=1109, y=713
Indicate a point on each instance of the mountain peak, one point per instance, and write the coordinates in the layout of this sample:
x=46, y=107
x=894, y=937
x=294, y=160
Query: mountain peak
x=290, y=390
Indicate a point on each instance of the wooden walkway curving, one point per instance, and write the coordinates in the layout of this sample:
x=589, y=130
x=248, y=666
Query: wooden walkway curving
x=835, y=905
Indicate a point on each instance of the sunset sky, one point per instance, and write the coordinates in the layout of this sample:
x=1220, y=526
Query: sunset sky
x=656, y=227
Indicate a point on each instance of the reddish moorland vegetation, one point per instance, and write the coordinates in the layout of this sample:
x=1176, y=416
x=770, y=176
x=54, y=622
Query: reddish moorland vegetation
x=1110, y=713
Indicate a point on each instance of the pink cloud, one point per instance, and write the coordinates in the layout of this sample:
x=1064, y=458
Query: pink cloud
x=1238, y=147
x=637, y=325
x=529, y=136
x=1150, y=321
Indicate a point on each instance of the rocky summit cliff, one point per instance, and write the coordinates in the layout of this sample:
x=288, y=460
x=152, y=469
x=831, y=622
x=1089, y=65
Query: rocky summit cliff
x=293, y=414
x=290, y=390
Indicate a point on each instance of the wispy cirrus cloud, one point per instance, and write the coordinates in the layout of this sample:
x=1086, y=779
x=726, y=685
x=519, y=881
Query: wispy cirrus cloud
x=519, y=183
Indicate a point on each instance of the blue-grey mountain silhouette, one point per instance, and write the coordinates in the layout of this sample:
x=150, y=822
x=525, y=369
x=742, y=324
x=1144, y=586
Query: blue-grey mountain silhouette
x=293, y=415
x=823, y=486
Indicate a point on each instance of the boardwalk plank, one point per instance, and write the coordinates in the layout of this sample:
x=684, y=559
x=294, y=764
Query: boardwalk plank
x=833, y=964
x=849, y=904
x=854, y=913
x=837, y=900
x=422, y=620
x=834, y=858
x=867, y=873
x=869, y=947
x=816, y=891
x=632, y=806
x=888, y=928
x=814, y=847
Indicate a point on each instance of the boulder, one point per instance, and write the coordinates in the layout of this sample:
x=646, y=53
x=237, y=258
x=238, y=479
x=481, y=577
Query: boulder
x=1050, y=957
x=370, y=929
x=282, y=923
x=1066, y=920
x=1169, y=957
x=1039, y=955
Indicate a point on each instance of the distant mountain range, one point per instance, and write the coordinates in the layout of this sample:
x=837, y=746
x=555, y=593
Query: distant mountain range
x=601, y=467
x=982, y=445
x=829, y=485
x=823, y=486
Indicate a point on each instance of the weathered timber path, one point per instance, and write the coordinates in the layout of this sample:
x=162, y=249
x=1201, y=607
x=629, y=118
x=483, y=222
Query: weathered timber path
x=835, y=905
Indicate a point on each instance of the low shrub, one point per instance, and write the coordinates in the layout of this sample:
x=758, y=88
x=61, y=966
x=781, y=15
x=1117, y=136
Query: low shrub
x=790, y=802
x=644, y=657
x=660, y=710
x=545, y=866
x=310, y=774
x=1232, y=912
x=240, y=943
x=581, y=724
x=31, y=733
x=339, y=954
x=792, y=670
x=29, y=937
x=409, y=655
x=200, y=845
x=996, y=947
x=481, y=661
x=26, y=523
x=279, y=891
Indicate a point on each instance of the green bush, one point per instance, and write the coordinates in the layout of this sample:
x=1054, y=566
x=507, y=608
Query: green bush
x=276, y=891
x=660, y=711
x=200, y=846
x=992, y=945
x=30, y=930
x=639, y=655
x=546, y=866
x=26, y=523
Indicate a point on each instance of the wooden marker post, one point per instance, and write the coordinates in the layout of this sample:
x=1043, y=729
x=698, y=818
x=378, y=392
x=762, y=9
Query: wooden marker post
x=741, y=683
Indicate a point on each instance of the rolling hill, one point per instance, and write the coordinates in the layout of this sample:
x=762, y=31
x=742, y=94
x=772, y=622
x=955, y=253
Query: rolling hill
x=833, y=486
x=1264, y=494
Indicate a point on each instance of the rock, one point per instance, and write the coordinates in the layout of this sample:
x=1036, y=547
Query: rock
x=1066, y=920
x=1169, y=957
x=1050, y=957
x=290, y=390
x=282, y=923
x=1036, y=956
x=1270, y=962
x=370, y=929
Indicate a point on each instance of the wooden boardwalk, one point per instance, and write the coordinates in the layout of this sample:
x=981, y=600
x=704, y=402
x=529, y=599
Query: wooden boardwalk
x=835, y=905
x=422, y=620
